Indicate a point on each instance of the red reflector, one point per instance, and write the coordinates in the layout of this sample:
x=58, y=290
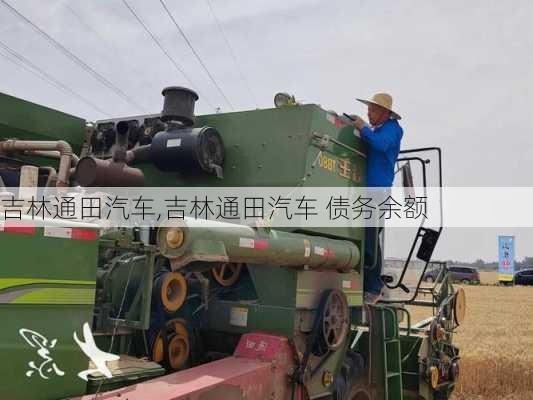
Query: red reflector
x=14, y=227
x=84, y=234
x=261, y=244
x=329, y=253
x=338, y=123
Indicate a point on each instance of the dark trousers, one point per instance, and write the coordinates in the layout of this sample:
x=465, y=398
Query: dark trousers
x=373, y=260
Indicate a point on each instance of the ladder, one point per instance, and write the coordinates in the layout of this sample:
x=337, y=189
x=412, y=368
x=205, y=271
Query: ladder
x=385, y=358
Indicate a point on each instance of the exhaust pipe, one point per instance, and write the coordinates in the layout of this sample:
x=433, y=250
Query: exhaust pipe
x=51, y=154
x=64, y=149
x=121, y=142
x=92, y=171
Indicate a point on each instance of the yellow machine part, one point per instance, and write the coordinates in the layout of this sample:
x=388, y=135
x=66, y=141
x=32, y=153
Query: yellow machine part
x=226, y=274
x=178, y=344
x=459, y=306
x=173, y=291
x=434, y=376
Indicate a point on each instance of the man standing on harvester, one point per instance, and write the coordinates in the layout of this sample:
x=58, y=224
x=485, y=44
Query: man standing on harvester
x=383, y=138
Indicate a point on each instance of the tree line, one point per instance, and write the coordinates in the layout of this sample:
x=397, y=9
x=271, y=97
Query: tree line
x=527, y=262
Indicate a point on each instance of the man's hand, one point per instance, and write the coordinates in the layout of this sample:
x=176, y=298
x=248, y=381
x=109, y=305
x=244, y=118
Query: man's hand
x=358, y=122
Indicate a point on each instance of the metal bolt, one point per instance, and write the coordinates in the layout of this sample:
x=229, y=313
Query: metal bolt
x=174, y=238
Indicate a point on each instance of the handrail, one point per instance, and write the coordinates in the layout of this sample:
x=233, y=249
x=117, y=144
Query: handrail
x=419, y=234
x=338, y=143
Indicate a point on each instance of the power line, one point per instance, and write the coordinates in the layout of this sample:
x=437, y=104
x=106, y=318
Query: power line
x=18, y=63
x=111, y=49
x=241, y=73
x=73, y=57
x=158, y=43
x=196, y=54
x=83, y=23
x=35, y=70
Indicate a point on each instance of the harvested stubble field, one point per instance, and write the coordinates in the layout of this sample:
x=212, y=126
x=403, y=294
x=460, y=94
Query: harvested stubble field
x=496, y=342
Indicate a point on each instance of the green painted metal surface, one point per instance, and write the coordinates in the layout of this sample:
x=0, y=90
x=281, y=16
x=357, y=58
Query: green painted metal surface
x=384, y=351
x=47, y=286
x=277, y=147
x=311, y=284
x=22, y=119
x=275, y=286
x=128, y=287
x=212, y=241
x=410, y=345
x=240, y=317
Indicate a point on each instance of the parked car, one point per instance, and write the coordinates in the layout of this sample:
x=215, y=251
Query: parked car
x=524, y=277
x=458, y=274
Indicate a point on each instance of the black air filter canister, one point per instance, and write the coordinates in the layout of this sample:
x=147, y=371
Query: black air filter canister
x=188, y=150
x=178, y=105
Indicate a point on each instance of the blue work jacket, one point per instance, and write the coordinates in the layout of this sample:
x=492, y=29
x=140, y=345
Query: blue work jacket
x=383, y=148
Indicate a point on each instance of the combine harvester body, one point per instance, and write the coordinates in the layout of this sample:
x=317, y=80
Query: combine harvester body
x=202, y=310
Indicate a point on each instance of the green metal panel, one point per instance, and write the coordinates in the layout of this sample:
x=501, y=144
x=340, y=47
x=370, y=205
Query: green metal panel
x=336, y=166
x=410, y=346
x=132, y=275
x=275, y=286
x=316, y=384
x=24, y=120
x=311, y=285
x=46, y=285
x=273, y=147
x=277, y=147
x=259, y=145
x=237, y=317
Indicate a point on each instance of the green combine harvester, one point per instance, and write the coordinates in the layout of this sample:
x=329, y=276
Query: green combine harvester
x=203, y=309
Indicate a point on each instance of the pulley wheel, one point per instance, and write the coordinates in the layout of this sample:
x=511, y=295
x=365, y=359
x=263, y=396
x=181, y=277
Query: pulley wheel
x=178, y=349
x=438, y=334
x=226, y=274
x=360, y=393
x=434, y=377
x=173, y=291
x=335, y=322
x=459, y=306
x=454, y=371
x=360, y=390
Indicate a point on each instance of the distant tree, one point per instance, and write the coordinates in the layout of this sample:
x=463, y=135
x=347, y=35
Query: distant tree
x=491, y=266
x=528, y=261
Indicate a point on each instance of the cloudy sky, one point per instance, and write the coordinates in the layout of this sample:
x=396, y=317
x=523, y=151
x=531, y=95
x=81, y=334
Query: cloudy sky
x=460, y=72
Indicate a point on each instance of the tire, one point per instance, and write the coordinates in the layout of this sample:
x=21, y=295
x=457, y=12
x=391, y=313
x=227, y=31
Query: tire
x=353, y=370
x=465, y=282
x=429, y=279
x=361, y=391
x=442, y=395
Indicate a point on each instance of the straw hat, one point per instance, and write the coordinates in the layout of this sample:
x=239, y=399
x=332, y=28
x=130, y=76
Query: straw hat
x=383, y=100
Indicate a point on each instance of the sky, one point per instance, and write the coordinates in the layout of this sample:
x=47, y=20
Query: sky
x=459, y=72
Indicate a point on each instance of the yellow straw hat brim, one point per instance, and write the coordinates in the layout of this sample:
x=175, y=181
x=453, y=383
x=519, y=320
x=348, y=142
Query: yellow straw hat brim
x=394, y=114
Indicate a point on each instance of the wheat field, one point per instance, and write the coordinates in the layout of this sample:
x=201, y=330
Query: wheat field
x=496, y=342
